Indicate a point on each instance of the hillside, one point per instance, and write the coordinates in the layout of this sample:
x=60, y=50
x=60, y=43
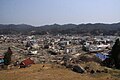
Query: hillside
x=94, y=29
x=52, y=72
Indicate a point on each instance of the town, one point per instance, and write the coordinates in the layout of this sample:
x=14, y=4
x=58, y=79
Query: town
x=56, y=49
x=75, y=52
x=59, y=40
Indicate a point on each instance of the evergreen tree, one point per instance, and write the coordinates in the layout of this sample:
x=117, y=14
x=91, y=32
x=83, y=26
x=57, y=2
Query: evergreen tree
x=115, y=54
x=7, y=56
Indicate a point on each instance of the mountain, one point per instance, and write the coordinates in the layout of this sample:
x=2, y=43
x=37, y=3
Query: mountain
x=94, y=29
x=15, y=29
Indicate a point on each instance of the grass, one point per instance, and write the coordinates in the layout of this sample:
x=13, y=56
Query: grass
x=48, y=72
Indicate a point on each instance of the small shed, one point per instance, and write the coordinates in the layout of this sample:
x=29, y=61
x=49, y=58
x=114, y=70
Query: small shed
x=27, y=62
x=78, y=69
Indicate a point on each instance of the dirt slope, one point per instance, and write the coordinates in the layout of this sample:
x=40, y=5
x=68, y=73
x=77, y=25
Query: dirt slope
x=50, y=72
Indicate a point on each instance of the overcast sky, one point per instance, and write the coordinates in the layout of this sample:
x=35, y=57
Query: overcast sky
x=43, y=12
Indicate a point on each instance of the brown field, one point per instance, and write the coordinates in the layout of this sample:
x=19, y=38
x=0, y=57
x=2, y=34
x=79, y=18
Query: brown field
x=53, y=72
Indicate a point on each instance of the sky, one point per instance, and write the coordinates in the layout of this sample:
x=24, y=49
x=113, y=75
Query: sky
x=45, y=12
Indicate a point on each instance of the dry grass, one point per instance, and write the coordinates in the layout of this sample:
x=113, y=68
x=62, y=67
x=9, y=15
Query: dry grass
x=49, y=72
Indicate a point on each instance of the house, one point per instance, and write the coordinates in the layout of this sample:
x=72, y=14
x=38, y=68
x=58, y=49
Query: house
x=1, y=60
x=33, y=53
x=27, y=62
x=64, y=43
x=101, y=56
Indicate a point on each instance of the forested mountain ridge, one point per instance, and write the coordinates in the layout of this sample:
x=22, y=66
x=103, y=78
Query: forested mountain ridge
x=94, y=29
